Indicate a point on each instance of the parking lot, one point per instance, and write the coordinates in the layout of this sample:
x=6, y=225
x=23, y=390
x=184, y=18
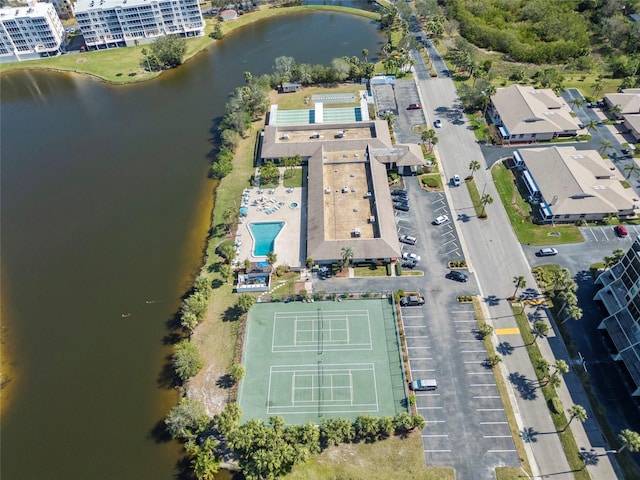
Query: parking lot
x=466, y=424
x=607, y=234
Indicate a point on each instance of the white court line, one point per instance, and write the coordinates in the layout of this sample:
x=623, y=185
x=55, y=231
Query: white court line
x=493, y=423
x=496, y=436
x=482, y=385
x=487, y=396
x=489, y=409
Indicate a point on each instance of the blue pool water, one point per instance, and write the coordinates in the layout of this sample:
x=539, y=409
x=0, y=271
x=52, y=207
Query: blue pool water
x=264, y=236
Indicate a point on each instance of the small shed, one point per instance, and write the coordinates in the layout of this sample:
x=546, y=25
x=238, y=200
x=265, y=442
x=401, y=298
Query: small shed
x=290, y=87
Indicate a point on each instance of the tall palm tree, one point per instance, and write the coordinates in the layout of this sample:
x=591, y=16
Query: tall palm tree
x=597, y=88
x=347, y=255
x=591, y=125
x=554, y=380
x=576, y=102
x=605, y=145
x=615, y=110
x=428, y=137
x=519, y=282
x=365, y=55
x=576, y=411
x=484, y=201
x=474, y=166
x=574, y=312
x=560, y=367
x=539, y=329
x=630, y=440
x=631, y=169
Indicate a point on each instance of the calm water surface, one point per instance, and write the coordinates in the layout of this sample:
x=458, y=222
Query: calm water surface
x=105, y=207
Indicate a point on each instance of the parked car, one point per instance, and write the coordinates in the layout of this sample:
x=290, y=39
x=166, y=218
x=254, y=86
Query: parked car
x=411, y=256
x=409, y=264
x=408, y=239
x=457, y=275
x=437, y=123
x=399, y=192
x=412, y=301
x=546, y=252
x=455, y=180
x=400, y=196
x=440, y=220
x=621, y=230
x=423, y=385
x=403, y=207
x=414, y=106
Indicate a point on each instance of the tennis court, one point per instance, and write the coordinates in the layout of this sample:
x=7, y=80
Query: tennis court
x=307, y=361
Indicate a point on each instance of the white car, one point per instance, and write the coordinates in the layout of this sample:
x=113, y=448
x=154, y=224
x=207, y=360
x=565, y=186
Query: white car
x=437, y=123
x=411, y=256
x=455, y=180
x=440, y=220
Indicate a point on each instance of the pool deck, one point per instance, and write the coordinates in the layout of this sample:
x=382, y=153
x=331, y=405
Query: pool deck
x=290, y=244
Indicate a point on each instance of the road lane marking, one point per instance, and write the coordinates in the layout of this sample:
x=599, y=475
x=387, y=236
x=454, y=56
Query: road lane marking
x=507, y=331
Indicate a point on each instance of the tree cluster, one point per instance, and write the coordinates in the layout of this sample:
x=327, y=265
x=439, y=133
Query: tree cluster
x=536, y=31
x=166, y=52
x=194, y=307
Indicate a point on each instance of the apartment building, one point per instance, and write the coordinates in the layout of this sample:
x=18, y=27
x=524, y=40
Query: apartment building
x=120, y=23
x=30, y=32
x=620, y=294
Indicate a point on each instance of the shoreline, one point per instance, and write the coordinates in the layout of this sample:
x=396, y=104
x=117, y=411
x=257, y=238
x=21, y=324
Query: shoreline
x=119, y=60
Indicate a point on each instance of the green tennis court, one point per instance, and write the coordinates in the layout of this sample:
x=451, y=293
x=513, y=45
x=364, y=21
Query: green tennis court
x=307, y=361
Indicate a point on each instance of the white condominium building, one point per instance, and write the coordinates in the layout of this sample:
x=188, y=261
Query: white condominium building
x=120, y=23
x=30, y=32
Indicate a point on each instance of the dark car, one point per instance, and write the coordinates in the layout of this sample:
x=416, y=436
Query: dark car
x=457, y=276
x=399, y=192
x=401, y=206
x=409, y=264
x=402, y=196
x=412, y=301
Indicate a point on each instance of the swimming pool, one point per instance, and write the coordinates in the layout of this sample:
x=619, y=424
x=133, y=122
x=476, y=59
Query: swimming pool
x=264, y=236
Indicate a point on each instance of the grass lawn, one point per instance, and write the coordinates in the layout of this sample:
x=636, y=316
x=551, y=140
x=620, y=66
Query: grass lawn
x=390, y=458
x=518, y=211
x=431, y=181
x=295, y=180
x=479, y=126
x=370, y=270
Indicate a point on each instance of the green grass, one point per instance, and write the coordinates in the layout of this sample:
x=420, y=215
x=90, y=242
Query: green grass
x=569, y=445
x=479, y=126
x=370, y=270
x=432, y=181
x=519, y=215
x=474, y=193
x=295, y=180
x=390, y=458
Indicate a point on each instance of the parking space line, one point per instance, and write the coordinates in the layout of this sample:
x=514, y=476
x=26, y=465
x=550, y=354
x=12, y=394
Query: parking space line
x=430, y=395
x=461, y=311
x=468, y=341
x=418, y=347
x=423, y=370
x=604, y=233
x=414, y=316
x=464, y=331
x=421, y=358
x=489, y=409
x=450, y=241
x=417, y=336
x=437, y=421
x=479, y=373
x=429, y=408
x=474, y=361
x=592, y=234
x=472, y=320
x=482, y=385
x=451, y=251
x=488, y=396
x=436, y=451
x=499, y=451
x=496, y=436
x=414, y=326
x=473, y=351
x=491, y=423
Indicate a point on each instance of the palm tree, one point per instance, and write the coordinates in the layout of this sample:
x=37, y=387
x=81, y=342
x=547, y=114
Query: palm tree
x=554, y=380
x=631, y=169
x=474, y=166
x=347, y=255
x=591, y=125
x=484, y=201
x=428, y=137
x=560, y=367
x=540, y=329
x=605, y=145
x=630, y=440
x=519, y=282
x=574, y=312
x=576, y=411
x=597, y=88
x=561, y=277
x=228, y=216
x=568, y=298
x=493, y=360
x=272, y=258
x=365, y=55
x=248, y=78
x=615, y=110
x=576, y=102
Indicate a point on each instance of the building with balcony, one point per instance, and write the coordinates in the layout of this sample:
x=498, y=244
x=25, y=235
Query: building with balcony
x=124, y=23
x=523, y=114
x=620, y=294
x=569, y=185
x=31, y=32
